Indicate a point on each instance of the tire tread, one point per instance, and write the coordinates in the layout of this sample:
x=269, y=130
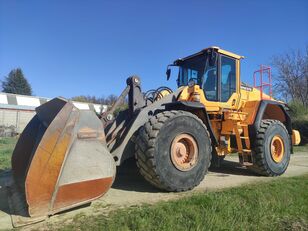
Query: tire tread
x=145, y=145
x=260, y=165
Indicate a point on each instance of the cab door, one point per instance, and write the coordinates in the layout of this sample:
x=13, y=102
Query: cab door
x=229, y=78
x=221, y=84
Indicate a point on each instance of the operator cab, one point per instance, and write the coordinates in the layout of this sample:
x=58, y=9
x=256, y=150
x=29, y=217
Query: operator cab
x=213, y=69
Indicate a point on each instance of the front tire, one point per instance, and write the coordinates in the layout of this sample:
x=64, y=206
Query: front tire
x=173, y=150
x=272, y=148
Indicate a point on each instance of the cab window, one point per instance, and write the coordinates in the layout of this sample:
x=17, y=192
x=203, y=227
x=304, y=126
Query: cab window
x=185, y=74
x=210, y=87
x=192, y=68
x=228, y=77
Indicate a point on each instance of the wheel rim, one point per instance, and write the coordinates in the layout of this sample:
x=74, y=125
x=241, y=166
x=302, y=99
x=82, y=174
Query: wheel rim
x=277, y=149
x=184, y=152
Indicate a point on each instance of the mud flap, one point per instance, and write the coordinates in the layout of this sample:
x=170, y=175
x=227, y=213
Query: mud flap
x=61, y=159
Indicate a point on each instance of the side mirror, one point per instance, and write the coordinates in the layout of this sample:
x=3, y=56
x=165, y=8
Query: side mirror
x=168, y=73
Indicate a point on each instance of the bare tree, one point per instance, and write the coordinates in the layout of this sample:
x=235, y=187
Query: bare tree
x=291, y=81
x=110, y=100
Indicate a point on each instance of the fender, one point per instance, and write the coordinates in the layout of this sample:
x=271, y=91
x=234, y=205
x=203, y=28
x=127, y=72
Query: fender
x=193, y=107
x=260, y=115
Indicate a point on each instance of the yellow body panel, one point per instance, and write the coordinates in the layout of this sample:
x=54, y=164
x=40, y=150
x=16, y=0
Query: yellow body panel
x=232, y=118
x=228, y=53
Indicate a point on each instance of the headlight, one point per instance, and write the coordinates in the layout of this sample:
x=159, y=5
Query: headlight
x=191, y=83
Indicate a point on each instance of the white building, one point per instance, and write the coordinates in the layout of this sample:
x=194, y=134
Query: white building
x=17, y=110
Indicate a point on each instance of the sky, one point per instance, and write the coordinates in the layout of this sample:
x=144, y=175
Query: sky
x=75, y=47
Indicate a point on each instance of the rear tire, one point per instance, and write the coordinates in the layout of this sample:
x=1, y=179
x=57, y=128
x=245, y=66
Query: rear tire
x=272, y=149
x=159, y=146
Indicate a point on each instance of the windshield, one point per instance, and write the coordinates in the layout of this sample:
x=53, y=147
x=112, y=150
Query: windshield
x=192, y=68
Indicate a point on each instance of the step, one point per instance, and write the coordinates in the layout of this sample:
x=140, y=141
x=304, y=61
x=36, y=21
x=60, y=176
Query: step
x=247, y=164
x=244, y=137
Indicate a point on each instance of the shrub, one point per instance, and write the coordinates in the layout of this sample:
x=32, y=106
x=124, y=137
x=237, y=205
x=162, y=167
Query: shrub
x=302, y=126
x=299, y=116
x=298, y=111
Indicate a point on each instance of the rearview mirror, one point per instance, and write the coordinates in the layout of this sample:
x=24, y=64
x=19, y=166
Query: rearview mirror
x=168, y=73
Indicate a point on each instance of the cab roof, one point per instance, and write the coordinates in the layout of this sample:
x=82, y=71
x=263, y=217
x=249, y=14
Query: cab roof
x=221, y=51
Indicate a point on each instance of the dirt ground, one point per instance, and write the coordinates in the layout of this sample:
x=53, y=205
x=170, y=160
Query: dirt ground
x=129, y=189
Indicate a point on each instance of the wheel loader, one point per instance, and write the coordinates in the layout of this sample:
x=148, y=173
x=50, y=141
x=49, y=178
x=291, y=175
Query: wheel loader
x=67, y=157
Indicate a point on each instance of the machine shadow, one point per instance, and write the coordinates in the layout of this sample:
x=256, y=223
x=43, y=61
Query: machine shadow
x=128, y=177
x=11, y=202
x=4, y=204
x=232, y=168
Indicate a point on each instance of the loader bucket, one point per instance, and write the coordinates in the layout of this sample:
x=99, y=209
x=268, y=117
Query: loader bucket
x=61, y=159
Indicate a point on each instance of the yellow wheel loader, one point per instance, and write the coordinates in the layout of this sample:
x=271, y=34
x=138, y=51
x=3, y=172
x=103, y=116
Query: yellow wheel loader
x=67, y=157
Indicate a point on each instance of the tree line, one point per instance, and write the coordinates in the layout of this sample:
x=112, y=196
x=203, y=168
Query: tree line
x=108, y=100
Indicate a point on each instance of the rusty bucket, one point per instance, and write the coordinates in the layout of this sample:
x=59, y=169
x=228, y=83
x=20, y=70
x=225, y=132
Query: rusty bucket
x=61, y=159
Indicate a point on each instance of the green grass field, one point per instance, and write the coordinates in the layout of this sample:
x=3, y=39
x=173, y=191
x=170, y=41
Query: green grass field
x=281, y=204
x=6, y=148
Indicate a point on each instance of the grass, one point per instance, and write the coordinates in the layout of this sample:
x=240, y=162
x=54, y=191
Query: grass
x=281, y=204
x=6, y=148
